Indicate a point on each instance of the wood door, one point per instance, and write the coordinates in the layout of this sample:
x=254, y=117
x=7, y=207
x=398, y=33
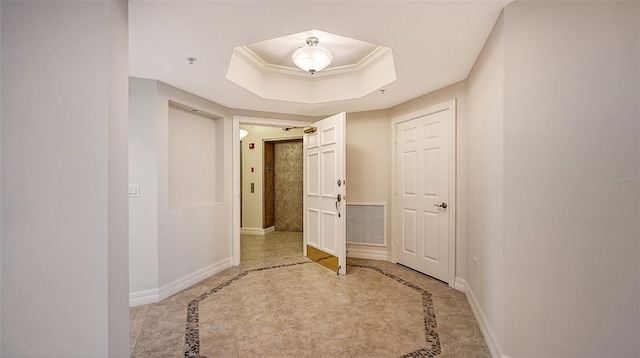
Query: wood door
x=422, y=214
x=324, y=190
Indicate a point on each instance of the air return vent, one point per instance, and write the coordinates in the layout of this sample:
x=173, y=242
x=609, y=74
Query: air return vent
x=366, y=224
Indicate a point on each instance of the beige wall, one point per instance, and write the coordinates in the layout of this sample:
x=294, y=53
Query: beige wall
x=252, y=215
x=571, y=172
x=368, y=141
x=192, y=159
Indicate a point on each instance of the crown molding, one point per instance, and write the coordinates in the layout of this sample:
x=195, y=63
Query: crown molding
x=267, y=69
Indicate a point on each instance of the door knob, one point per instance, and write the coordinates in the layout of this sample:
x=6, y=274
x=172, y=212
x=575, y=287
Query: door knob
x=443, y=205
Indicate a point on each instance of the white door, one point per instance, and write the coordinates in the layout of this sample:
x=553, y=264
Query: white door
x=422, y=206
x=324, y=189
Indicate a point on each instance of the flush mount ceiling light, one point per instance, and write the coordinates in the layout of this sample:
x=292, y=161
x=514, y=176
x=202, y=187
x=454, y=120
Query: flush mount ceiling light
x=313, y=58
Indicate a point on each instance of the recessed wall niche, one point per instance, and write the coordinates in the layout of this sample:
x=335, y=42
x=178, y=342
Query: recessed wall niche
x=195, y=156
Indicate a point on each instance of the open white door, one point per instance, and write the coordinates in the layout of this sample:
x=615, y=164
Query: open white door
x=324, y=193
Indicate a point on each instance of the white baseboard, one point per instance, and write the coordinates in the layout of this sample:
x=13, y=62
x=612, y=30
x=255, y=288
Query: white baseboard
x=485, y=328
x=157, y=295
x=193, y=278
x=256, y=231
x=144, y=297
x=367, y=252
x=460, y=284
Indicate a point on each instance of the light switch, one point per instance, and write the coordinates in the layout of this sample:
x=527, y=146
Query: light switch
x=134, y=190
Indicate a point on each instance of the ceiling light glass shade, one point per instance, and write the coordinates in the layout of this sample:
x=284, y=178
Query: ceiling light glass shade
x=313, y=58
x=243, y=133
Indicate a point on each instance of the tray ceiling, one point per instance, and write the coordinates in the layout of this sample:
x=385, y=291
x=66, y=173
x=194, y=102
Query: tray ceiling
x=434, y=44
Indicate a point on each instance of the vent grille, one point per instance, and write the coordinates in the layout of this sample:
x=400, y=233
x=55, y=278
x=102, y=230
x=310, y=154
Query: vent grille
x=366, y=224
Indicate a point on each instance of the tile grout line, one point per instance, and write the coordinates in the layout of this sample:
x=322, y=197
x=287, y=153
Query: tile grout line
x=144, y=321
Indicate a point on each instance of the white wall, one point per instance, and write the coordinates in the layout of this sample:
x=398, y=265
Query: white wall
x=484, y=185
x=0, y=180
x=64, y=170
x=118, y=112
x=252, y=203
x=143, y=170
x=191, y=242
x=571, y=169
x=552, y=134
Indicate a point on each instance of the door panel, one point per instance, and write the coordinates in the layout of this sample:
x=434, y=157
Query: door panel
x=431, y=172
x=329, y=244
x=329, y=173
x=410, y=173
x=422, y=160
x=312, y=229
x=409, y=231
x=313, y=166
x=325, y=223
x=431, y=229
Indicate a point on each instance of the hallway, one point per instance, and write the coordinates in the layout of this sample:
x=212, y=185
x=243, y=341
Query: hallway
x=277, y=303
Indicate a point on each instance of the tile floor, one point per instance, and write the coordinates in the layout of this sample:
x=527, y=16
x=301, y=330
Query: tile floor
x=297, y=308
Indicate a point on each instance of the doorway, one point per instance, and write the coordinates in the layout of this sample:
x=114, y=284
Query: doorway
x=282, y=178
x=256, y=220
x=424, y=182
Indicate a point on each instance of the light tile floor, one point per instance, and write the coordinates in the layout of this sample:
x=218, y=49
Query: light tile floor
x=306, y=310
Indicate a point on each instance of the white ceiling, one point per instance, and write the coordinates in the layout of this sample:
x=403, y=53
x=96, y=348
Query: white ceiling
x=434, y=43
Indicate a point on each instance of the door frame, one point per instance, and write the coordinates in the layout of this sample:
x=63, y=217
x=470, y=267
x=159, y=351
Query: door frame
x=451, y=106
x=235, y=187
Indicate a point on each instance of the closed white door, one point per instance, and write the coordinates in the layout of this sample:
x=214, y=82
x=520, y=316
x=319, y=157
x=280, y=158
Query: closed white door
x=422, y=204
x=324, y=189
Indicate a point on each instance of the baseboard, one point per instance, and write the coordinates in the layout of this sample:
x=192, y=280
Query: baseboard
x=369, y=253
x=193, y=278
x=460, y=284
x=144, y=297
x=256, y=231
x=485, y=328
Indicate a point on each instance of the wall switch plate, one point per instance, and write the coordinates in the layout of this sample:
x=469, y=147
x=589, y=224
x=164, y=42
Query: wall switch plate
x=134, y=190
